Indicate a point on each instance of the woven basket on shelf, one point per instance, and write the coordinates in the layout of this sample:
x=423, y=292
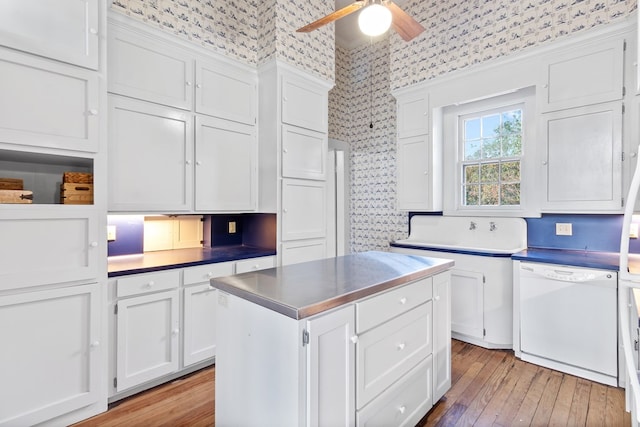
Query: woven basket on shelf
x=77, y=177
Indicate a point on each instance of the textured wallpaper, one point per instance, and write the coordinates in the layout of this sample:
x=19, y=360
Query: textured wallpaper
x=251, y=31
x=460, y=33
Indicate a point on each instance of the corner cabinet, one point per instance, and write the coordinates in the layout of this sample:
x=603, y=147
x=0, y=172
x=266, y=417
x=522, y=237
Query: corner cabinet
x=182, y=128
x=382, y=360
x=419, y=158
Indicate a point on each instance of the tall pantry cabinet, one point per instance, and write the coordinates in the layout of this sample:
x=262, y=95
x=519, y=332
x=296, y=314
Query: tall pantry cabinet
x=52, y=255
x=293, y=134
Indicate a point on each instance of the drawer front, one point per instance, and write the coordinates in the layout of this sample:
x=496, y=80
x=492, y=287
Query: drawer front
x=145, y=283
x=404, y=403
x=381, y=308
x=255, y=264
x=203, y=273
x=389, y=351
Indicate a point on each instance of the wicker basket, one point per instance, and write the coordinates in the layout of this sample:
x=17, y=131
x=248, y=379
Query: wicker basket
x=77, y=177
x=11, y=184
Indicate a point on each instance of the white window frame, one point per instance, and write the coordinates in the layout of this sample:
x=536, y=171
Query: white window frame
x=453, y=152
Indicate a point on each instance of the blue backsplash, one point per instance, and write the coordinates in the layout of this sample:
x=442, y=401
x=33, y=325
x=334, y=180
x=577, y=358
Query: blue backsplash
x=129, y=234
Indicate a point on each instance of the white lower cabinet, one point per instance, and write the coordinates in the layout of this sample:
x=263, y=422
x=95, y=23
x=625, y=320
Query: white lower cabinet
x=303, y=250
x=54, y=366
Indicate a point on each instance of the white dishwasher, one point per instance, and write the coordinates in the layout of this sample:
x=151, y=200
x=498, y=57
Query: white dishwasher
x=568, y=320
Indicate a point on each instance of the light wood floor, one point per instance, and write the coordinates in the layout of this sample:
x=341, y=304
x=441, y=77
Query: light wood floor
x=489, y=388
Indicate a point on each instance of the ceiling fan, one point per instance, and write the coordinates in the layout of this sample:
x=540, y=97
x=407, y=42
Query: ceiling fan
x=374, y=19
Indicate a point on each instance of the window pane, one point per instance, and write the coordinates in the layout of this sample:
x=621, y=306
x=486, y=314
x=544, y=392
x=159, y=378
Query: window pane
x=489, y=172
x=510, y=194
x=512, y=121
x=489, y=194
x=471, y=174
x=510, y=172
x=471, y=195
x=490, y=148
x=490, y=125
x=472, y=150
x=511, y=145
x=472, y=129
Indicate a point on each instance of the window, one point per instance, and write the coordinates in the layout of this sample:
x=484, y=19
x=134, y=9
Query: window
x=491, y=149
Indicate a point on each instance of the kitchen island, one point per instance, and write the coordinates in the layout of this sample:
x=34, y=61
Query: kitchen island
x=341, y=341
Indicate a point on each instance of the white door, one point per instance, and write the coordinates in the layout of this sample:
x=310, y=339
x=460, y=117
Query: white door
x=226, y=170
x=52, y=353
x=199, y=327
x=40, y=247
x=148, y=332
x=150, y=157
x=331, y=373
x=303, y=209
x=66, y=31
x=413, y=114
x=304, y=153
x=467, y=303
x=304, y=104
x=413, y=173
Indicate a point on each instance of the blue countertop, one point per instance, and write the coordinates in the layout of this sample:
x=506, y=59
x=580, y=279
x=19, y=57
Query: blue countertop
x=177, y=258
x=589, y=259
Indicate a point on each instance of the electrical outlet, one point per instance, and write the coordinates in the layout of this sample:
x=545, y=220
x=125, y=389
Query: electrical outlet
x=633, y=230
x=111, y=233
x=564, y=229
x=232, y=227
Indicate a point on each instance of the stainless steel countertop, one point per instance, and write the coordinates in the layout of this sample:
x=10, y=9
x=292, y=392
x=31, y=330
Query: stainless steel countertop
x=302, y=290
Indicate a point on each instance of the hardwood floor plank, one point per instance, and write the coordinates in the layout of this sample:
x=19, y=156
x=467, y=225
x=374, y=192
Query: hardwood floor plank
x=494, y=408
x=597, y=405
x=529, y=405
x=548, y=399
x=513, y=402
x=580, y=403
x=615, y=414
x=562, y=405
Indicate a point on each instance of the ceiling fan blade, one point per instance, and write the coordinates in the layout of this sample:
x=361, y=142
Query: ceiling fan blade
x=403, y=23
x=332, y=17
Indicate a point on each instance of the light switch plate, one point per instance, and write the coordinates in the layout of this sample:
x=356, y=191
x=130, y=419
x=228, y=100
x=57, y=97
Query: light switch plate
x=564, y=229
x=111, y=233
x=633, y=231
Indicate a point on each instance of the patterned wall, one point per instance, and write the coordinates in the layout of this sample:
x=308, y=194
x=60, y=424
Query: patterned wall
x=252, y=31
x=339, y=97
x=460, y=33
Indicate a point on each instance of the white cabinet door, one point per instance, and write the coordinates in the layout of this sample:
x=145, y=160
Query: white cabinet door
x=47, y=104
x=413, y=114
x=414, y=173
x=41, y=247
x=304, y=153
x=303, y=250
x=583, y=76
x=148, y=338
x=150, y=157
x=467, y=303
x=255, y=264
x=331, y=373
x=304, y=104
x=52, y=358
x=226, y=169
x=303, y=209
x=225, y=91
x=199, y=327
x=66, y=30
x=142, y=68
x=582, y=159
x=441, y=335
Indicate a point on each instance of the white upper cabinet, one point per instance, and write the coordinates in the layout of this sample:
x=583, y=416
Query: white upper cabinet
x=150, y=157
x=303, y=209
x=226, y=92
x=414, y=173
x=582, y=159
x=413, y=114
x=142, y=68
x=304, y=153
x=47, y=104
x=304, y=104
x=583, y=76
x=226, y=169
x=63, y=30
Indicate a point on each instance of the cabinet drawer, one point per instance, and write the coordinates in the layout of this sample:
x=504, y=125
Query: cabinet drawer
x=255, y=264
x=203, y=273
x=389, y=351
x=144, y=283
x=383, y=307
x=402, y=404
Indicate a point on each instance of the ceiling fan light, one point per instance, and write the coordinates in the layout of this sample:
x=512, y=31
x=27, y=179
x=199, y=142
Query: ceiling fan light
x=374, y=20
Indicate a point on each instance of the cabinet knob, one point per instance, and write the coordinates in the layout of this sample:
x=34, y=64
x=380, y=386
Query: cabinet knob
x=437, y=298
x=285, y=98
x=425, y=113
x=198, y=163
x=545, y=86
x=400, y=346
x=255, y=267
x=402, y=409
x=93, y=31
x=209, y=275
x=95, y=344
x=93, y=244
x=176, y=331
x=284, y=150
x=426, y=172
x=188, y=83
x=354, y=339
x=198, y=85
x=188, y=162
x=149, y=284
x=544, y=163
x=403, y=301
x=93, y=112
x=284, y=211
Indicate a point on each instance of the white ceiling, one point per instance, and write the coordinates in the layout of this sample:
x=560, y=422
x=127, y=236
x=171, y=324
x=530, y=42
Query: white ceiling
x=347, y=32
